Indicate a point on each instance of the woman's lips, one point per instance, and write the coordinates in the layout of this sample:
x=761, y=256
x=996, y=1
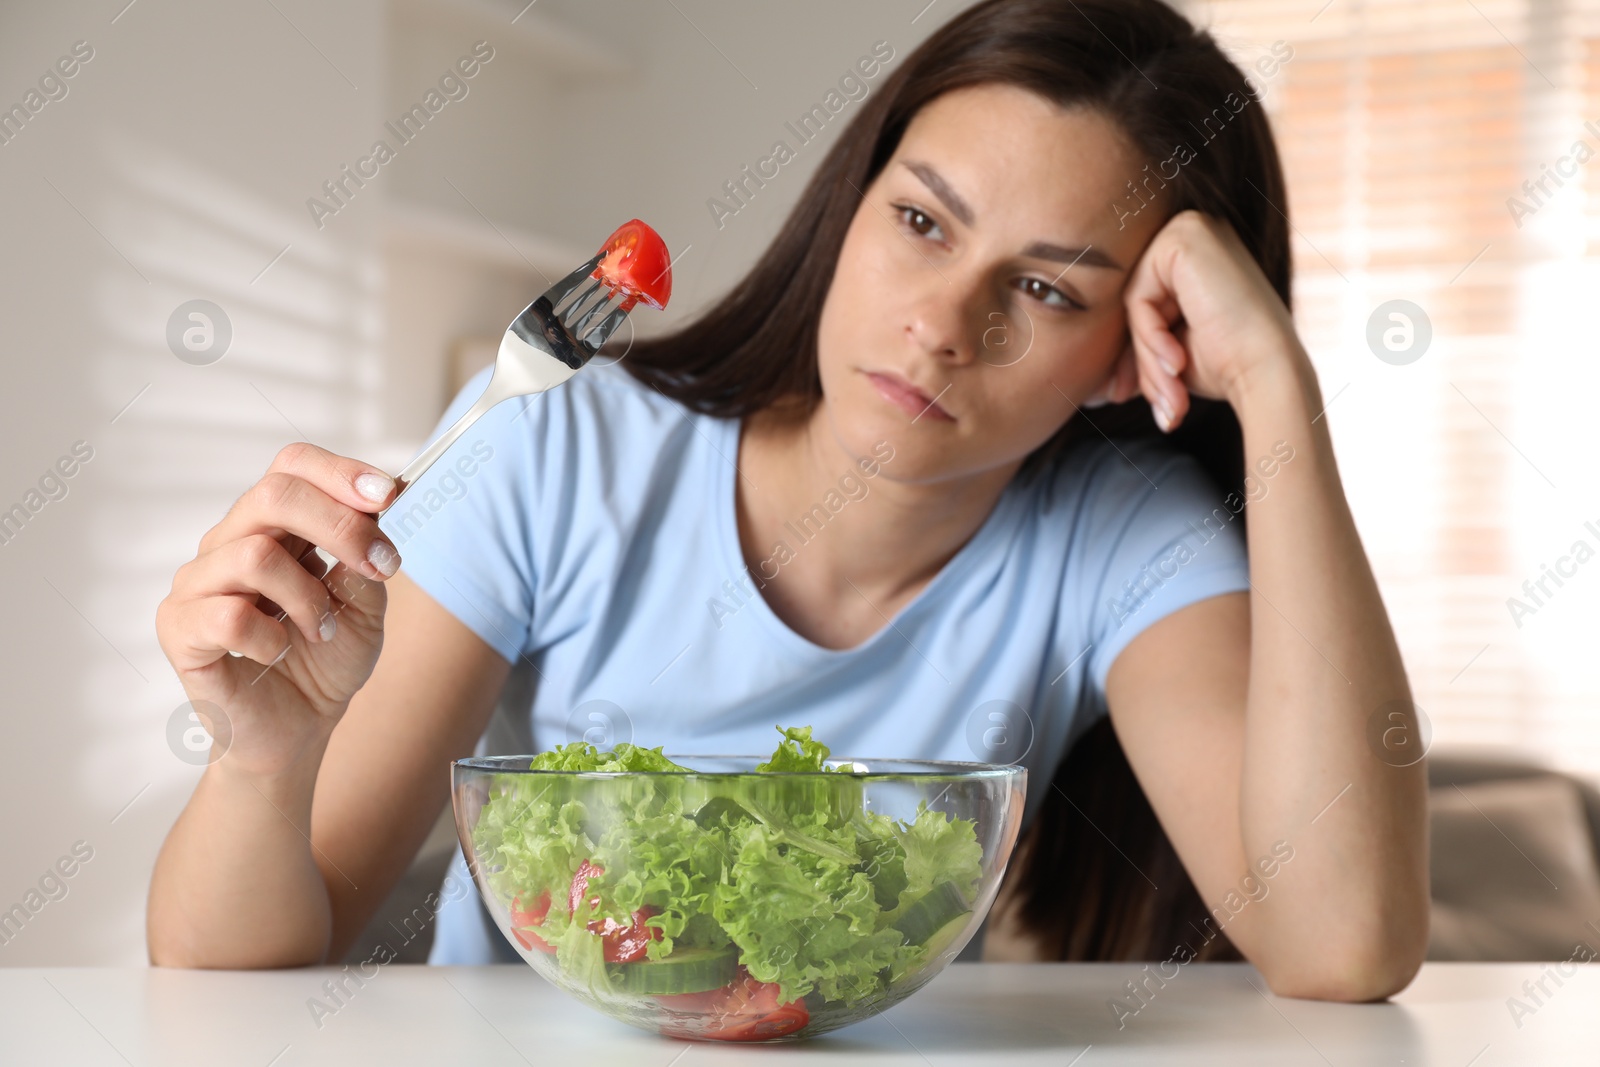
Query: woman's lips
x=907, y=397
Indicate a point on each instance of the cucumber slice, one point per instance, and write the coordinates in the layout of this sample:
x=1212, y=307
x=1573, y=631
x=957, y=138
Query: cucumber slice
x=937, y=944
x=931, y=911
x=720, y=808
x=946, y=934
x=686, y=970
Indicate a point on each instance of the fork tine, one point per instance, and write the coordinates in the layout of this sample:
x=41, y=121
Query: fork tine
x=578, y=296
x=602, y=333
x=562, y=289
x=584, y=304
x=595, y=314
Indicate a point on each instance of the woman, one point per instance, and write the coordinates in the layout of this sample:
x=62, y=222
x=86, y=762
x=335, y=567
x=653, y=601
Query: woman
x=863, y=493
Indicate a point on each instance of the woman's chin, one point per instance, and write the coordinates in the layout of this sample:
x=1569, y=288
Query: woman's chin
x=867, y=437
x=872, y=430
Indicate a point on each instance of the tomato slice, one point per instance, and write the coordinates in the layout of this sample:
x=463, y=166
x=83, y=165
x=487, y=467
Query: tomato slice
x=627, y=944
x=622, y=944
x=580, y=884
x=521, y=918
x=781, y=1021
x=635, y=260
x=743, y=1010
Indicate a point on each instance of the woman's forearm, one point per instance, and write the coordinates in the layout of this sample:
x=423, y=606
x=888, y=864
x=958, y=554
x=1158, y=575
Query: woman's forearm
x=235, y=884
x=1323, y=663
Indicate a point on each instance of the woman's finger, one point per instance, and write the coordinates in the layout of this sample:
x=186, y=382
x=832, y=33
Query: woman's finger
x=260, y=564
x=355, y=591
x=283, y=504
x=1127, y=384
x=1120, y=369
x=1159, y=365
x=212, y=626
x=351, y=482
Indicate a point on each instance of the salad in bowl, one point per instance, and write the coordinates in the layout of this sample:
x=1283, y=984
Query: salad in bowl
x=731, y=898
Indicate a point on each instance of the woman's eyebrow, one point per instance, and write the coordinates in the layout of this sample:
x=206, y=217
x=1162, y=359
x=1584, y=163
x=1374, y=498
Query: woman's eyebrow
x=1088, y=256
x=941, y=188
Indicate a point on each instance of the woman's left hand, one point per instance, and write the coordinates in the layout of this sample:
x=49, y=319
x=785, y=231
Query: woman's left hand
x=1202, y=318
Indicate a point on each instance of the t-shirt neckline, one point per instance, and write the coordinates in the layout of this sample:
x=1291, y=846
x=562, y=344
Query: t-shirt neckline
x=722, y=479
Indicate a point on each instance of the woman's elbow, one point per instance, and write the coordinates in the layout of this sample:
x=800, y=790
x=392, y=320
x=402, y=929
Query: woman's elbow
x=1353, y=982
x=1355, y=969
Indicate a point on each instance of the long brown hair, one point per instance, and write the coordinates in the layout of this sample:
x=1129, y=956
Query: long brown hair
x=1166, y=84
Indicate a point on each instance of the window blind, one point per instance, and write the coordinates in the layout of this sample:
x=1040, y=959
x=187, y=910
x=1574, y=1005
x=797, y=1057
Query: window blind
x=1407, y=132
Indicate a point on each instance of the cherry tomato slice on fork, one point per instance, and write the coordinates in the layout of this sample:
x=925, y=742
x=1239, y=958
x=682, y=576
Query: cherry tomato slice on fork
x=635, y=260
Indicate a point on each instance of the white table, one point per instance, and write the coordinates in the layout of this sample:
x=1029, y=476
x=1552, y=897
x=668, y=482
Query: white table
x=1454, y=1014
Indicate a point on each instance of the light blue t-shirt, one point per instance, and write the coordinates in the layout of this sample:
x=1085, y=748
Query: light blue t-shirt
x=591, y=529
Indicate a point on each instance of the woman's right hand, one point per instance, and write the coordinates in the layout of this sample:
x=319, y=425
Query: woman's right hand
x=259, y=560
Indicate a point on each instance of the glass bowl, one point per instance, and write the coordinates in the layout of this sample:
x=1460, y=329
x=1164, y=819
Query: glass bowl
x=723, y=904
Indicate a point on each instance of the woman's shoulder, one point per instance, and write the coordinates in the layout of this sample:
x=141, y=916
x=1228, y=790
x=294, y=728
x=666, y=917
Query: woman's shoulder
x=544, y=493
x=1105, y=479
x=612, y=380
x=595, y=449
x=600, y=421
x=1146, y=532
x=608, y=398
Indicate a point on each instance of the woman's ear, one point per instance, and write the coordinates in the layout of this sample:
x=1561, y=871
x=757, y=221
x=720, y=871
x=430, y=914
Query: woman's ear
x=1120, y=383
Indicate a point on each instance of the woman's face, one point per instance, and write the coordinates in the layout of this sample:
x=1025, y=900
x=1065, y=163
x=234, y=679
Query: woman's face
x=963, y=272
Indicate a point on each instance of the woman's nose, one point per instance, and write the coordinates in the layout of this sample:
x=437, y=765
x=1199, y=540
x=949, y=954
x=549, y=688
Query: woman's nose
x=943, y=320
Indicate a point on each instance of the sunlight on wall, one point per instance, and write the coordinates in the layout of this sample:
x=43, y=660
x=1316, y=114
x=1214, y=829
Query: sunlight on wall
x=304, y=360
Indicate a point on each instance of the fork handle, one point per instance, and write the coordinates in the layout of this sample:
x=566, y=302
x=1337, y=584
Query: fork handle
x=514, y=375
x=430, y=455
x=427, y=457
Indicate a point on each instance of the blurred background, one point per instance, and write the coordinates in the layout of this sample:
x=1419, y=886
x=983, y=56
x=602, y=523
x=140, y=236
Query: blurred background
x=177, y=307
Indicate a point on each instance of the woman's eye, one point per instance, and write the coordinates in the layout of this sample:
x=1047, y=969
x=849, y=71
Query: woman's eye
x=1043, y=291
x=917, y=220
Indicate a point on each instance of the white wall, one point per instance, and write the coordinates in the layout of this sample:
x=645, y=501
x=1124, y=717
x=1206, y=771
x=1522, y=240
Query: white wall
x=181, y=159
x=169, y=153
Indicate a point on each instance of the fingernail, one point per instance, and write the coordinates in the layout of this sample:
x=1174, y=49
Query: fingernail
x=329, y=627
x=375, y=487
x=1162, y=413
x=381, y=556
x=1167, y=366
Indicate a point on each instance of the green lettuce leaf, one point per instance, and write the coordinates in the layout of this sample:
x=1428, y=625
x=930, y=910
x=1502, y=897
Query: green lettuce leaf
x=796, y=752
x=785, y=803
x=582, y=756
x=804, y=920
x=941, y=848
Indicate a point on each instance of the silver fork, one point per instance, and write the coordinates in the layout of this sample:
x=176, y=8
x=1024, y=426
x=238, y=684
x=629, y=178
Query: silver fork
x=545, y=345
